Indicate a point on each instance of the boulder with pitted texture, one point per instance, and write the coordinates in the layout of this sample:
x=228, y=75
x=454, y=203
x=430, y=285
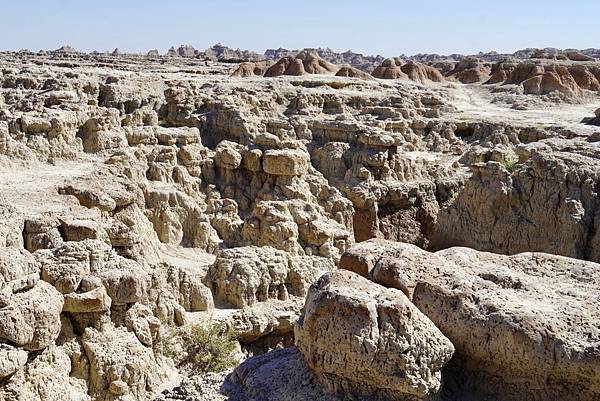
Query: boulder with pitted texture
x=387, y=348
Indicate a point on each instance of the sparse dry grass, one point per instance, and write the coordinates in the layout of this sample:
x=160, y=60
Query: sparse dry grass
x=202, y=348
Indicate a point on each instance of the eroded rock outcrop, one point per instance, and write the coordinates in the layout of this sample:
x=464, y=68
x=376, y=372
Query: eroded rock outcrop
x=541, y=78
x=252, y=68
x=246, y=275
x=305, y=62
x=470, y=71
x=551, y=191
x=397, y=68
x=528, y=316
x=119, y=365
x=352, y=72
x=153, y=192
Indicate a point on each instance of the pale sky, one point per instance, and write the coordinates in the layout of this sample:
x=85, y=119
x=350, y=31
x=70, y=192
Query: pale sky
x=383, y=27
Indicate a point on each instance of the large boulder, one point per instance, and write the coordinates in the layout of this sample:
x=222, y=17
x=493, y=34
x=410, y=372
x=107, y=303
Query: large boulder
x=361, y=338
x=525, y=327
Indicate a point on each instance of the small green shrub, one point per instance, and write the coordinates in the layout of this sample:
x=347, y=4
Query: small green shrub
x=510, y=162
x=452, y=199
x=203, y=348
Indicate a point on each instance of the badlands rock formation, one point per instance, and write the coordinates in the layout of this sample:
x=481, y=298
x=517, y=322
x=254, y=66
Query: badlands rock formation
x=469, y=71
x=541, y=78
x=396, y=68
x=143, y=196
x=523, y=54
x=309, y=62
x=303, y=63
x=524, y=326
x=356, y=60
x=250, y=68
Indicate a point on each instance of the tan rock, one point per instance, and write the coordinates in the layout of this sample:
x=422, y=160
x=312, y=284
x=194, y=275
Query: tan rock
x=252, y=159
x=42, y=233
x=117, y=355
x=365, y=354
x=96, y=300
x=246, y=275
x=45, y=378
x=16, y=263
x=11, y=360
x=285, y=162
x=79, y=230
x=508, y=314
x=118, y=387
x=513, y=211
x=14, y=327
x=141, y=321
x=228, y=155
x=32, y=319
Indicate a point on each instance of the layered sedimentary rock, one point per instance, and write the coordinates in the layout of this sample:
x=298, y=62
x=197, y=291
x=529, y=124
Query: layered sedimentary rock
x=306, y=62
x=252, y=68
x=541, y=78
x=470, y=71
x=390, y=68
x=397, y=68
x=246, y=275
x=503, y=207
x=352, y=72
x=356, y=60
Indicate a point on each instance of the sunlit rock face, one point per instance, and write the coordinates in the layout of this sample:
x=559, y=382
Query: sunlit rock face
x=294, y=200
